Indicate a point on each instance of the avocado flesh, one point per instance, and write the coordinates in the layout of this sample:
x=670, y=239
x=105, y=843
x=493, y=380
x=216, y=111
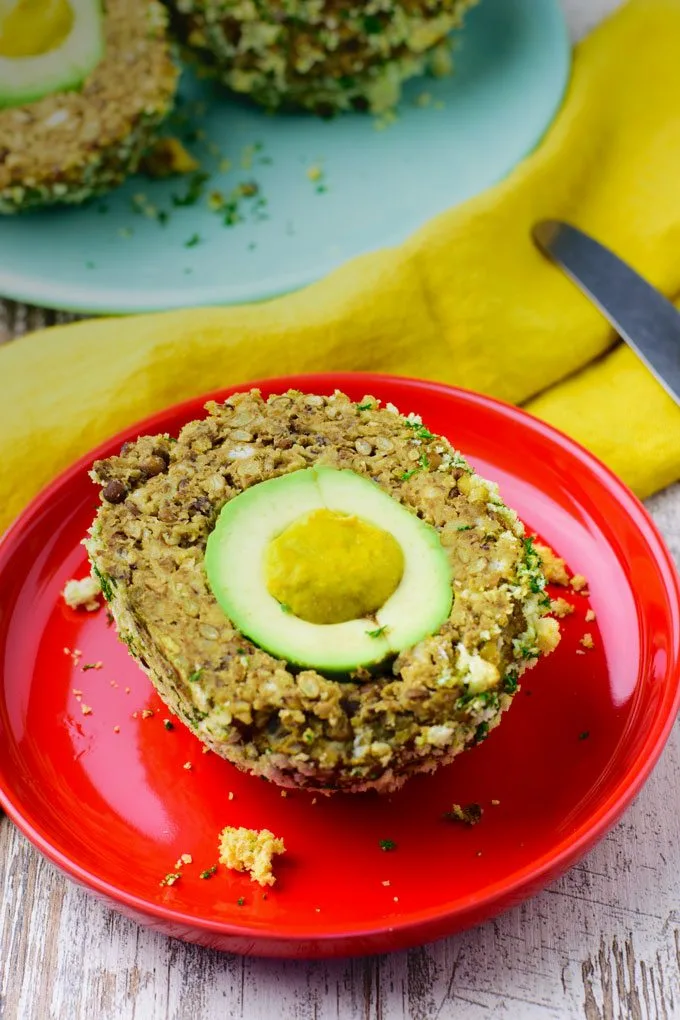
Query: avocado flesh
x=47, y=46
x=236, y=566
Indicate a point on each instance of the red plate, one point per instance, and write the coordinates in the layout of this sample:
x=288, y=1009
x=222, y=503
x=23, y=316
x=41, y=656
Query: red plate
x=115, y=807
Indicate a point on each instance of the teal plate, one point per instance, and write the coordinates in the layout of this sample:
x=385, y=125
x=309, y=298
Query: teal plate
x=325, y=190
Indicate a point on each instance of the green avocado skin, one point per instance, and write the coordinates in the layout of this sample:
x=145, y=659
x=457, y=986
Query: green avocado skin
x=234, y=566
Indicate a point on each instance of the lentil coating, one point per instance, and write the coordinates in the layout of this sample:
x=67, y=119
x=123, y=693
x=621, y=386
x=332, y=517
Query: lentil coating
x=323, y=55
x=70, y=146
x=160, y=501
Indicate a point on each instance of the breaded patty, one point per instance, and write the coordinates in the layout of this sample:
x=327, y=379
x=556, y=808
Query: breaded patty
x=69, y=146
x=298, y=727
x=323, y=55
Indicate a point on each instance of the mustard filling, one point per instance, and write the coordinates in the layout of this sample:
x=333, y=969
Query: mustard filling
x=29, y=28
x=329, y=567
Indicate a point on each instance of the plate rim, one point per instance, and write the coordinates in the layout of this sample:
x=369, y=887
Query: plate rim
x=88, y=298
x=428, y=923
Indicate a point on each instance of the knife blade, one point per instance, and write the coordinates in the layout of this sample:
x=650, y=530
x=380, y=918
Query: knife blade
x=640, y=314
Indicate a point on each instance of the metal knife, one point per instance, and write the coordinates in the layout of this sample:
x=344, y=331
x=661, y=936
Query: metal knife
x=639, y=313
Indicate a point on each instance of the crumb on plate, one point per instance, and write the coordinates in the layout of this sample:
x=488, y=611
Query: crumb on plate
x=250, y=850
x=590, y=616
x=469, y=815
x=578, y=582
x=587, y=641
x=82, y=594
x=561, y=608
x=168, y=157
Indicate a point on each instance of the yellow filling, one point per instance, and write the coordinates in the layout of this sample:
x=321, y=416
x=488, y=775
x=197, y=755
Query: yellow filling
x=29, y=28
x=329, y=567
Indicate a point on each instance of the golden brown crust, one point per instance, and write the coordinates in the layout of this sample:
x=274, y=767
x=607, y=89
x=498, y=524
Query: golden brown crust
x=71, y=145
x=161, y=500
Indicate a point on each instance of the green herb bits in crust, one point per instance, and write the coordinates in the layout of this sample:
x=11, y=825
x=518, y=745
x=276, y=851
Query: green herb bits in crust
x=315, y=513
x=83, y=89
x=322, y=55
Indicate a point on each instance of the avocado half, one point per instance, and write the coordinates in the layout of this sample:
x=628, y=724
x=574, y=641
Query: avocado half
x=247, y=524
x=30, y=67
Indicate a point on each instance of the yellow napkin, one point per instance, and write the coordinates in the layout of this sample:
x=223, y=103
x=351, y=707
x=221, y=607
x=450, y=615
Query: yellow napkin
x=466, y=300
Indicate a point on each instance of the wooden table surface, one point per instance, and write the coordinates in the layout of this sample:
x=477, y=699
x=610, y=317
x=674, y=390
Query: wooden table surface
x=602, y=943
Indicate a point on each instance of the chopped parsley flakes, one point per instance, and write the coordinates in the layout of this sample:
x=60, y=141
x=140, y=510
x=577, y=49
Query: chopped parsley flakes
x=510, y=684
x=482, y=732
x=194, y=191
x=387, y=844
x=195, y=676
x=420, y=431
x=105, y=583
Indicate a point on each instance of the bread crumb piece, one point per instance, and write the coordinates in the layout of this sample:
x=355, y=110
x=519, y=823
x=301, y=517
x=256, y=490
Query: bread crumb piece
x=469, y=815
x=284, y=793
x=495, y=803
x=250, y=850
x=313, y=800
x=547, y=635
x=127, y=690
x=77, y=694
x=561, y=608
x=82, y=594
x=113, y=683
x=579, y=651
x=231, y=795
x=590, y=616
x=396, y=899
x=188, y=766
x=204, y=750
x=170, y=878
x=587, y=641
x=387, y=882
x=116, y=729
x=578, y=582
x=183, y=859
x=147, y=713
x=85, y=709
x=554, y=567
x=168, y=157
